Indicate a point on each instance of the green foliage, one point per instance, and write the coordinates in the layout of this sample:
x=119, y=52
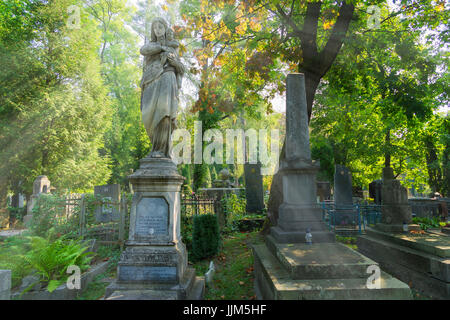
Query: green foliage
x=12, y=251
x=322, y=150
x=187, y=227
x=16, y=213
x=51, y=259
x=48, y=259
x=49, y=219
x=52, y=96
x=234, y=205
x=427, y=223
x=205, y=236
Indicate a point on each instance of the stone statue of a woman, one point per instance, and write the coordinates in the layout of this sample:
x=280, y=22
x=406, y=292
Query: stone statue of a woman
x=161, y=82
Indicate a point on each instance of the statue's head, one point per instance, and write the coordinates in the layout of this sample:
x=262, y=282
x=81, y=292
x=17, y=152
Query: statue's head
x=160, y=29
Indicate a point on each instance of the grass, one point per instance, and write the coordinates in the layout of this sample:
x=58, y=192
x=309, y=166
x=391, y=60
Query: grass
x=97, y=287
x=348, y=241
x=233, y=279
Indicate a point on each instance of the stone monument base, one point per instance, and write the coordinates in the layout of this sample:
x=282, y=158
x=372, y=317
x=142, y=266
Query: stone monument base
x=423, y=261
x=395, y=228
x=284, y=236
x=190, y=287
x=154, y=263
x=319, y=271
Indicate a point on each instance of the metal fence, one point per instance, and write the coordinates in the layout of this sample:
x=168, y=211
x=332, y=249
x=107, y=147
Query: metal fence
x=79, y=214
x=193, y=204
x=350, y=219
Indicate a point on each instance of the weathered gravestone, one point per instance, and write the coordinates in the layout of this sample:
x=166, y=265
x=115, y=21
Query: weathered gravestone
x=110, y=209
x=396, y=210
x=288, y=268
x=375, y=190
x=40, y=185
x=323, y=190
x=254, y=190
x=419, y=259
x=345, y=214
x=299, y=210
x=342, y=186
x=5, y=284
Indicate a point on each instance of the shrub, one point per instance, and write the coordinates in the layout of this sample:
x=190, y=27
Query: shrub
x=186, y=230
x=234, y=207
x=205, y=236
x=51, y=259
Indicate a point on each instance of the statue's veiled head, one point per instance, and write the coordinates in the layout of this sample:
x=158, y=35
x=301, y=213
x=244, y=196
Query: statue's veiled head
x=160, y=29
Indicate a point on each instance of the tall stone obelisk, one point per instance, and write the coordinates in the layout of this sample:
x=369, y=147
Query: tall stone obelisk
x=299, y=210
x=287, y=267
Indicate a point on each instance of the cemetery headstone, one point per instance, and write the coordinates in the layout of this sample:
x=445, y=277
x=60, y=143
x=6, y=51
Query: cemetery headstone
x=375, y=190
x=5, y=284
x=110, y=209
x=300, y=258
x=395, y=210
x=299, y=209
x=323, y=190
x=342, y=186
x=40, y=185
x=254, y=190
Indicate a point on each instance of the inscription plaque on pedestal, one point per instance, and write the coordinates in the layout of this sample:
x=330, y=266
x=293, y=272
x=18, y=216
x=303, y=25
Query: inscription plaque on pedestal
x=152, y=218
x=147, y=273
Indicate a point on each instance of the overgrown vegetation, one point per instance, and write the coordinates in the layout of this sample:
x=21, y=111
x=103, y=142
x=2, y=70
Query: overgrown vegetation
x=44, y=258
x=428, y=223
x=205, y=236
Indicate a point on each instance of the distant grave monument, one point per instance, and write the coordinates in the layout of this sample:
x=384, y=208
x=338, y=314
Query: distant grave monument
x=343, y=202
x=323, y=190
x=40, y=185
x=375, y=190
x=301, y=259
x=109, y=211
x=254, y=190
x=342, y=186
x=421, y=259
x=221, y=187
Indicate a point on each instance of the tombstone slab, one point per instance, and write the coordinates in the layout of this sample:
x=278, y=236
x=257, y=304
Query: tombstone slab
x=395, y=210
x=342, y=186
x=5, y=284
x=40, y=185
x=254, y=190
x=109, y=210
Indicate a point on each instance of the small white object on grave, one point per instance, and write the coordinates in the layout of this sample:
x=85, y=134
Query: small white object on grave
x=210, y=274
x=308, y=236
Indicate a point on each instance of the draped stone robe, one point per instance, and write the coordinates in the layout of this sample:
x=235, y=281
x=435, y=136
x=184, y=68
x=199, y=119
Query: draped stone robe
x=160, y=85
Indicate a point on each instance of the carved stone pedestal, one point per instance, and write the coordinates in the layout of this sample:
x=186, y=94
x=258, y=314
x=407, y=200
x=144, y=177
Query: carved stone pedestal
x=153, y=265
